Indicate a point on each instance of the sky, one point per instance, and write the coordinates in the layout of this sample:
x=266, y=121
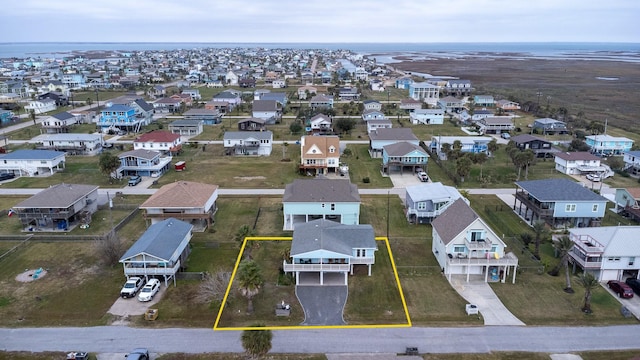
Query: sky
x=361, y=21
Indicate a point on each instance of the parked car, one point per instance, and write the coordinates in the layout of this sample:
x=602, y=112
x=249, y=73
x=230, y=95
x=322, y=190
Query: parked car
x=593, y=177
x=149, y=290
x=506, y=136
x=419, y=170
x=131, y=287
x=633, y=284
x=623, y=290
x=135, y=180
x=138, y=354
x=6, y=176
x=422, y=176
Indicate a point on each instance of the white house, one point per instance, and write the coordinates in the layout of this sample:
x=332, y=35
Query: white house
x=32, y=162
x=464, y=244
x=577, y=163
x=632, y=162
x=609, y=252
x=427, y=116
x=71, y=143
x=41, y=106
x=231, y=78
x=425, y=202
x=248, y=142
x=165, y=142
x=425, y=92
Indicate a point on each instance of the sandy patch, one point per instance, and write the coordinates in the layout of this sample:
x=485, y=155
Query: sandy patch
x=247, y=178
x=30, y=275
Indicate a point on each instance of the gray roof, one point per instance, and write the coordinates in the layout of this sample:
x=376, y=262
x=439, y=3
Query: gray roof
x=265, y=105
x=63, y=116
x=32, y=155
x=523, y=138
x=66, y=137
x=328, y=235
x=403, y=148
x=321, y=190
x=548, y=121
x=201, y=112
x=160, y=240
x=393, y=134
x=186, y=122
x=140, y=153
x=226, y=95
x=635, y=153
x=550, y=190
x=261, y=135
x=436, y=192
x=454, y=220
x=144, y=105
x=253, y=119
x=57, y=196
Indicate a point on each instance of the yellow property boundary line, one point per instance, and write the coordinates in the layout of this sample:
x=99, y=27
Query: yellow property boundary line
x=302, y=327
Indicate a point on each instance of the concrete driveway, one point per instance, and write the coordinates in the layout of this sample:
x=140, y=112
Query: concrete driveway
x=125, y=308
x=322, y=304
x=632, y=304
x=479, y=293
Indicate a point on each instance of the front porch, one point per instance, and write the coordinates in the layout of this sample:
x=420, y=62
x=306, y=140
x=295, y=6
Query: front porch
x=492, y=269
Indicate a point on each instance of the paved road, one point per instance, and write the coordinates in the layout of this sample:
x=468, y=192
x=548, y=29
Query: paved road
x=120, y=339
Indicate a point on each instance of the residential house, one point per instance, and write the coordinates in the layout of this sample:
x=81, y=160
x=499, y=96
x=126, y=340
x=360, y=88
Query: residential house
x=496, y=124
x=120, y=117
x=279, y=84
x=427, y=116
x=628, y=203
x=479, y=114
x=167, y=105
x=458, y=87
x=41, y=106
x=451, y=104
x=193, y=93
x=233, y=98
x=541, y=147
x=252, y=124
x=320, y=124
x=207, y=116
x=550, y=126
x=70, y=143
x=279, y=97
x=559, y=203
x=269, y=110
x=192, y=202
x=427, y=201
x=305, y=200
x=484, y=101
x=404, y=82
x=578, y=163
x=142, y=162
x=348, y=94
x=631, y=162
x=184, y=99
x=425, y=92
x=74, y=81
x=306, y=91
x=161, y=251
x=163, y=141
x=470, y=144
x=464, y=244
x=6, y=116
x=59, y=98
x=59, y=207
x=410, y=104
x=507, y=105
x=319, y=155
x=361, y=74
x=32, y=162
x=231, y=78
x=373, y=125
x=323, y=251
x=258, y=143
x=380, y=138
x=84, y=116
x=321, y=102
x=59, y=123
x=376, y=85
x=608, y=145
x=54, y=86
x=400, y=155
x=185, y=127
x=247, y=83
x=372, y=105
x=608, y=252
x=371, y=114
x=157, y=91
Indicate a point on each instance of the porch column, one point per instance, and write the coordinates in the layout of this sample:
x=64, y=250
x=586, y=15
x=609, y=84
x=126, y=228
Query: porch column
x=504, y=275
x=486, y=274
x=346, y=281
x=351, y=269
x=297, y=277
x=514, y=274
x=321, y=277
x=468, y=272
x=369, y=269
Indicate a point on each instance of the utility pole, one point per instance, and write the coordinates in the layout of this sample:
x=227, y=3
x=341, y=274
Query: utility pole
x=388, y=207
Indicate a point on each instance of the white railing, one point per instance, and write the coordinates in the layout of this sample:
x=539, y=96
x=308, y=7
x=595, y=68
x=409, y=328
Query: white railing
x=130, y=271
x=315, y=267
x=508, y=260
x=362, y=260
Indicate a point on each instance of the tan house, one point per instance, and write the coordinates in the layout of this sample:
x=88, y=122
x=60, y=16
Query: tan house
x=319, y=154
x=188, y=201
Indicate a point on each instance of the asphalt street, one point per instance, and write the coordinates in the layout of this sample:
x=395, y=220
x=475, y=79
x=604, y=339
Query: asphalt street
x=120, y=339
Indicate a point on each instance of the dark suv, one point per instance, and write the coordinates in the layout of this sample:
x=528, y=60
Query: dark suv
x=623, y=290
x=634, y=284
x=6, y=176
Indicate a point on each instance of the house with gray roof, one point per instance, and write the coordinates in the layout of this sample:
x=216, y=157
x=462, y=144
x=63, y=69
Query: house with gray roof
x=59, y=123
x=550, y=126
x=325, y=252
x=381, y=137
x=559, y=203
x=187, y=127
x=259, y=143
x=142, y=162
x=608, y=252
x=305, y=200
x=464, y=244
x=208, y=116
x=70, y=143
x=270, y=110
x=425, y=202
x=402, y=155
x=59, y=207
x=160, y=252
x=32, y=162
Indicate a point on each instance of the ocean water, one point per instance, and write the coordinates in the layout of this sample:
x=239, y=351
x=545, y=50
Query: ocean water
x=629, y=51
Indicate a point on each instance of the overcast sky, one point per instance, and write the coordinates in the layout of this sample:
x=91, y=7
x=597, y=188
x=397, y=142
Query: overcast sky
x=320, y=21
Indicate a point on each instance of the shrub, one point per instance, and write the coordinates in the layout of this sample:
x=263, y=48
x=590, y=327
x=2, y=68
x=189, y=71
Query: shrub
x=366, y=180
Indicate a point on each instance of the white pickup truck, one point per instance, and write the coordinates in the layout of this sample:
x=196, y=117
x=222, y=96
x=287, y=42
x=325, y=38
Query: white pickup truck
x=131, y=287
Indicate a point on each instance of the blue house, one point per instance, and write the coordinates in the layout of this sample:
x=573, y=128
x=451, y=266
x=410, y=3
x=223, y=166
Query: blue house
x=381, y=137
x=143, y=162
x=404, y=82
x=471, y=144
x=305, y=200
x=559, y=203
x=6, y=116
x=403, y=154
x=425, y=202
x=608, y=145
x=121, y=117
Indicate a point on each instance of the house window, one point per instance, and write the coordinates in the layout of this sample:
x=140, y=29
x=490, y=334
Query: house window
x=458, y=249
x=613, y=259
x=322, y=205
x=632, y=260
x=333, y=207
x=332, y=150
x=594, y=208
x=570, y=208
x=361, y=253
x=422, y=205
x=476, y=235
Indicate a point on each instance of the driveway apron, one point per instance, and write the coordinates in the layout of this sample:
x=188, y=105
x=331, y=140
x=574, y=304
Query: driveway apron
x=322, y=304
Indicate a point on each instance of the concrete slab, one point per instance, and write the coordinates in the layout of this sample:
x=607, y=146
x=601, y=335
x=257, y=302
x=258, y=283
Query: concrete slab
x=374, y=356
x=124, y=308
x=322, y=305
x=565, y=357
x=479, y=293
x=632, y=304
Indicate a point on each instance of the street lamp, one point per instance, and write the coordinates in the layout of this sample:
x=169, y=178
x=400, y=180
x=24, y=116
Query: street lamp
x=97, y=100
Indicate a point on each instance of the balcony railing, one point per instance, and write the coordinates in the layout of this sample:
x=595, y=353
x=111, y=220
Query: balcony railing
x=587, y=244
x=130, y=270
x=362, y=260
x=315, y=267
x=524, y=199
x=586, y=262
x=480, y=244
x=509, y=259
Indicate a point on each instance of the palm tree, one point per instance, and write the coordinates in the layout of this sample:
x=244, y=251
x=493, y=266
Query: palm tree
x=492, y=146
x=250, y=281
x=589, y=282
x=256, y=343
x=526, y=238
x=463, y=167
x=562, y=246
x=540, y=234
x=480, y=158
